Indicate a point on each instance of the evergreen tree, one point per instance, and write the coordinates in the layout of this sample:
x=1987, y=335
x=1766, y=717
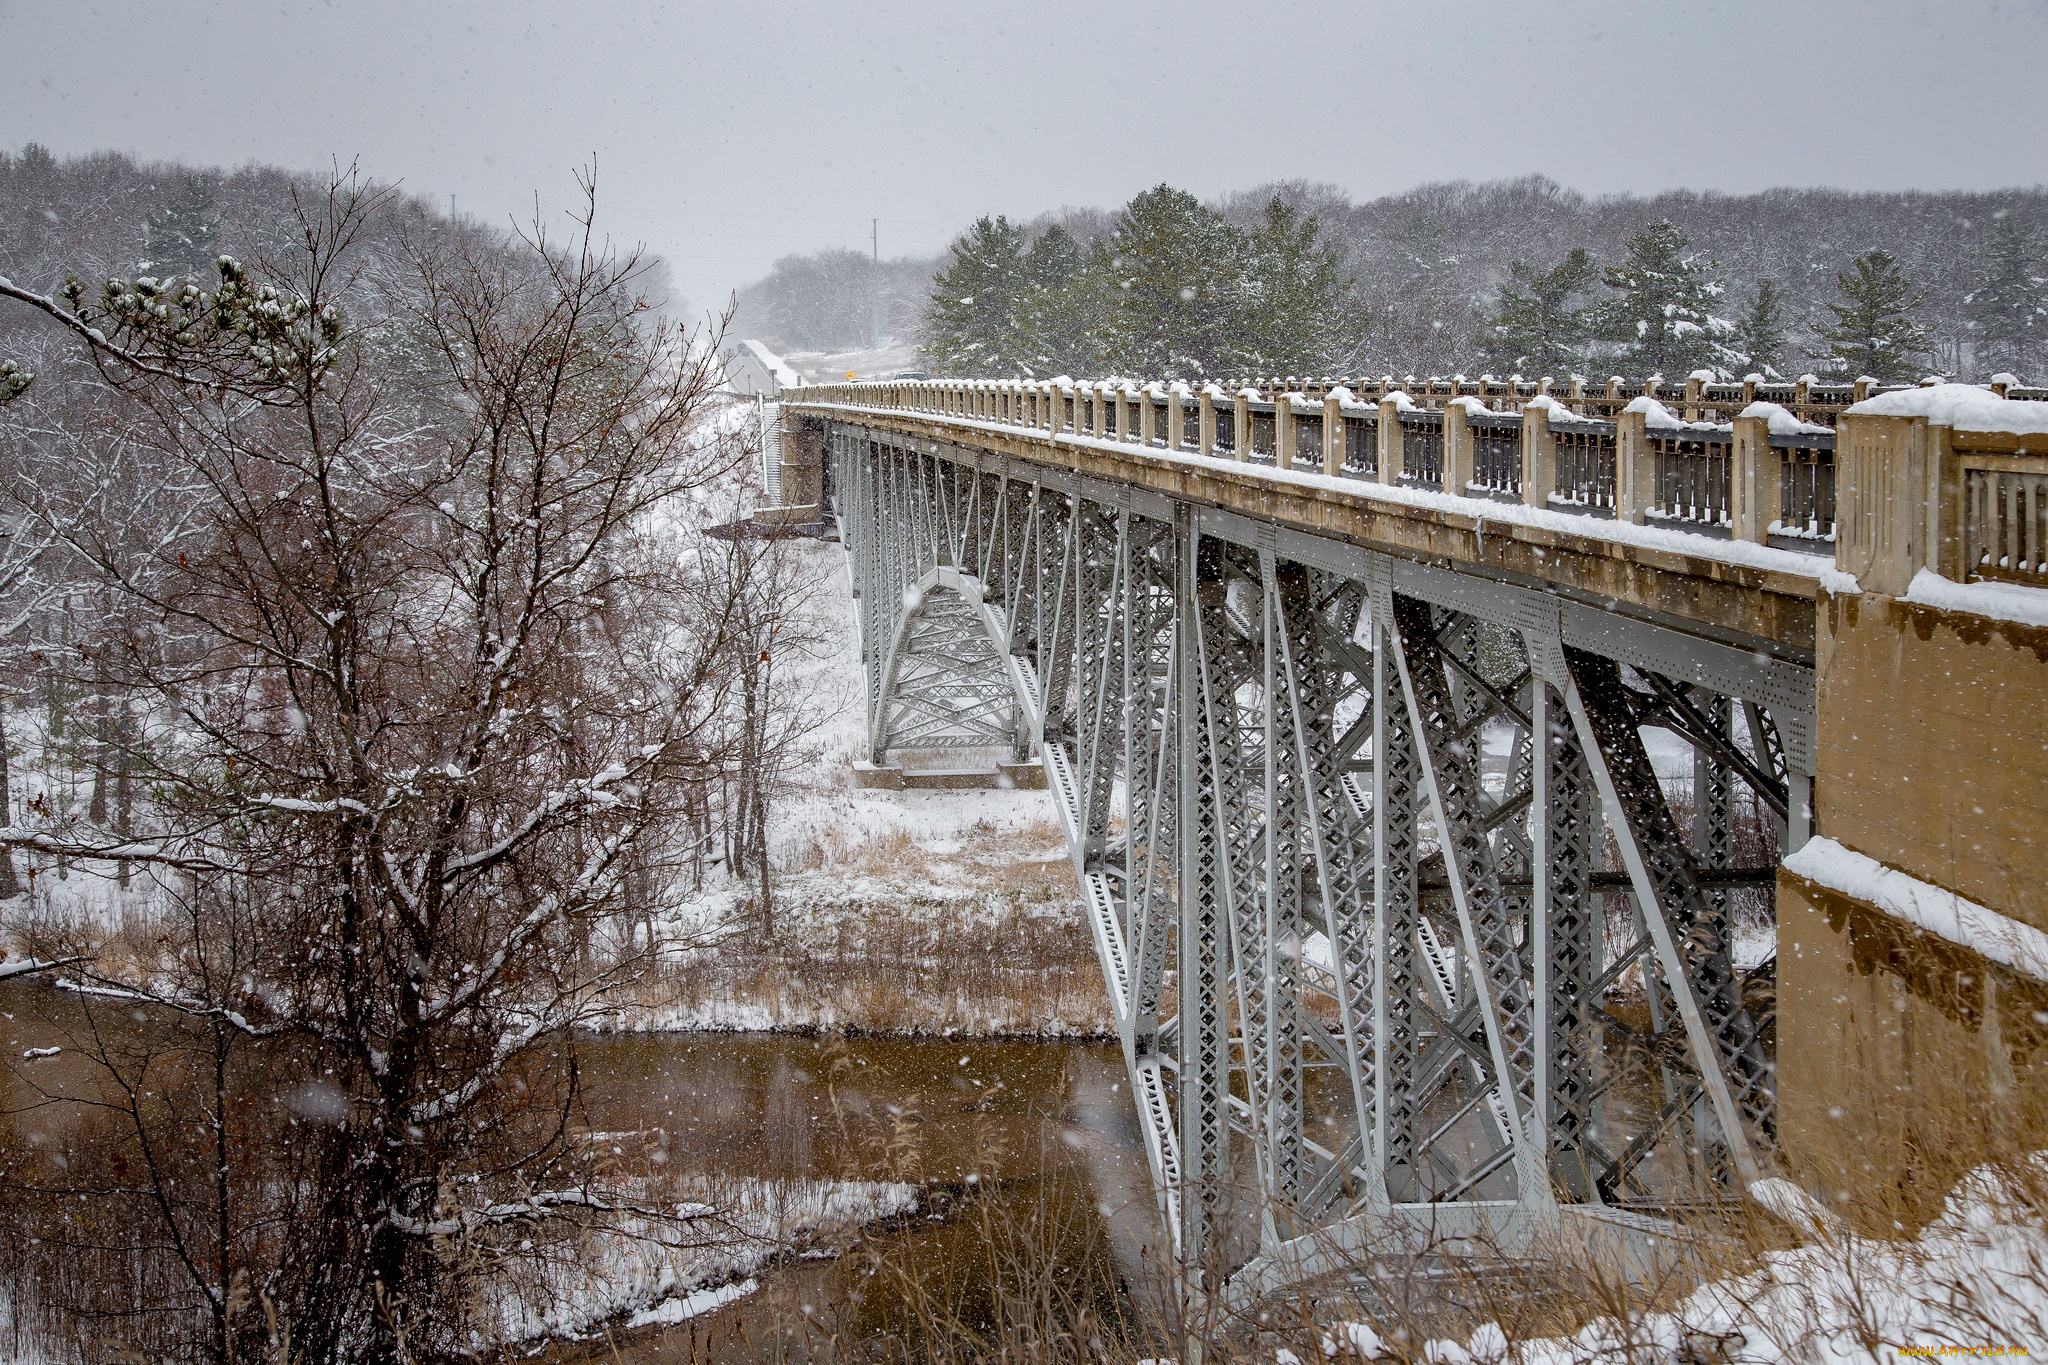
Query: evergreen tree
x=975, y=320
x=2009, y=309
x=183, y=237
x=1874, y=332
x=1759, y=337
x=1663, y=316
x=1535, y=330
x=1059, y=318
x=1297, y=310
x=1167, y=277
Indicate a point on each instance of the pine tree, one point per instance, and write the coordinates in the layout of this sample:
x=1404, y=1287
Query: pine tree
x=1059, y=317
x=1535, y=330
x=2009, y=309
x=1759, y=337
x=976, y=316
x=1663, y=317
x=183, y=238
x=1167, y=275
x=1874, y=332
x=1297, y=311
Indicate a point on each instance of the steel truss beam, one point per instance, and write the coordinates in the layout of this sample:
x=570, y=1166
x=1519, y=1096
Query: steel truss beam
x=1338, y=821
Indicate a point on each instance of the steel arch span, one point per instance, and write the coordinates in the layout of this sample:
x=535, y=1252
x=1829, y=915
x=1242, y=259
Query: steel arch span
x=1366, y=845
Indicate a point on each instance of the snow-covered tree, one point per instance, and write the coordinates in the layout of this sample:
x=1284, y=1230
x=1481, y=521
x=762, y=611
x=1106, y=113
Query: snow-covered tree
x=1535, y=327
x=1874, y=332
x=976, y=318
x=1662, y=315
x=1059, y=312
x=183, y=237
x=1166, y=280
x=1297, y=311
x=1758, y=341
x=421, y=673
x=2009, y=308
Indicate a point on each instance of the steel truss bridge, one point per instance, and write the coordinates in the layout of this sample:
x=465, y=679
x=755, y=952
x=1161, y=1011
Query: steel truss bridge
x=1365, y=821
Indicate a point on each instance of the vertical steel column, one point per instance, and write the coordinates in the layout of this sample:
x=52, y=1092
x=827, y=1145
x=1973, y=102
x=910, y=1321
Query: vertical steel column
x=1277, y=1090
x=1713, y=815
x=1203, y=1004
x=1396, y=782
x=1564, y=831
x=1450, y=772
x=1340, y=849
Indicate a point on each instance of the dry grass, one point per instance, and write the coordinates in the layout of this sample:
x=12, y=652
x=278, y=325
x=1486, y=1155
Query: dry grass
x=884, y=933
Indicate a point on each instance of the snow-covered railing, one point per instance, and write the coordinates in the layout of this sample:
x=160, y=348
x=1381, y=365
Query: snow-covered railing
x=1678, y=455
x=1948, y=478
x=1698, y=398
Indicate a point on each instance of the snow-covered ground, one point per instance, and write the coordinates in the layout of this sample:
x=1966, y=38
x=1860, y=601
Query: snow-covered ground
x=941, y=912
x=832, y=367
x=1973, y=1283
x=640, y=1272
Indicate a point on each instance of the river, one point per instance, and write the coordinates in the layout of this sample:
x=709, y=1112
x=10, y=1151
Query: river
x=1001, y=1134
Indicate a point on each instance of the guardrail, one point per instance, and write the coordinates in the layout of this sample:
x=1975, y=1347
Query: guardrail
x=2005, y=512
x=1766, y=475
x=1646, y=464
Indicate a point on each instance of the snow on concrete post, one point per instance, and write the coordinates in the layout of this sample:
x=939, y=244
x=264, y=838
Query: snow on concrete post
x=1635, y=473
x=1333, y=435
x=1241, y=425
x=1458, y=453
x=1390, y=440
x=1099, y=423
x=1695, y=391
x=1753, y=482
x=1056, y=408
x=1148, y=415
x=1884, y=467
x=1205, y=419
x=1283, y=429
x=1539, y=455
x=1176, y=414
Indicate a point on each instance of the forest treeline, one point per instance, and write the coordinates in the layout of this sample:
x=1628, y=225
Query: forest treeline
x=1520, y=275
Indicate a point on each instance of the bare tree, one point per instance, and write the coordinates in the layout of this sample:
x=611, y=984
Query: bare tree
x=419, y=679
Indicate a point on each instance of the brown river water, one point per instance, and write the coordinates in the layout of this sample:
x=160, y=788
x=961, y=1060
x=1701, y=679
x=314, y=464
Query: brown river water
x=998, y=1135
x=1011, y=1130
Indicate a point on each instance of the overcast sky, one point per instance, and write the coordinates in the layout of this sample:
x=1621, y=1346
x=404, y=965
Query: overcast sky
x=729, y=134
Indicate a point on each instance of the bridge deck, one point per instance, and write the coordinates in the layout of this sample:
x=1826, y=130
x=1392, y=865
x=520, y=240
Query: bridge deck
x=1734, y=591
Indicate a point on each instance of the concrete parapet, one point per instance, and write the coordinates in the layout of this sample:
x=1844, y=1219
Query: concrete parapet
x=1539, y=457
x=1903, y=1060
x=1933, y=743
x=1752, y=481
x=1390, y=440
x=1635, y=468
x=1906, y=1056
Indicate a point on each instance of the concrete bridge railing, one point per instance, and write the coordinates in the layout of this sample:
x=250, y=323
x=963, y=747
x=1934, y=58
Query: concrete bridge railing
x=1766, y=475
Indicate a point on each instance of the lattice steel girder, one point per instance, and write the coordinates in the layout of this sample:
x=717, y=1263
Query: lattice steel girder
x=1258, y=738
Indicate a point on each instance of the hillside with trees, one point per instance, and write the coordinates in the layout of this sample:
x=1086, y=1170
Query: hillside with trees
x=1511, y=275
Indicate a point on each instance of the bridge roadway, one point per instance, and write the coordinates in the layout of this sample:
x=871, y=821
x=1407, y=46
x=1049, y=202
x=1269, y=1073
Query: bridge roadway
x=1373, y=793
